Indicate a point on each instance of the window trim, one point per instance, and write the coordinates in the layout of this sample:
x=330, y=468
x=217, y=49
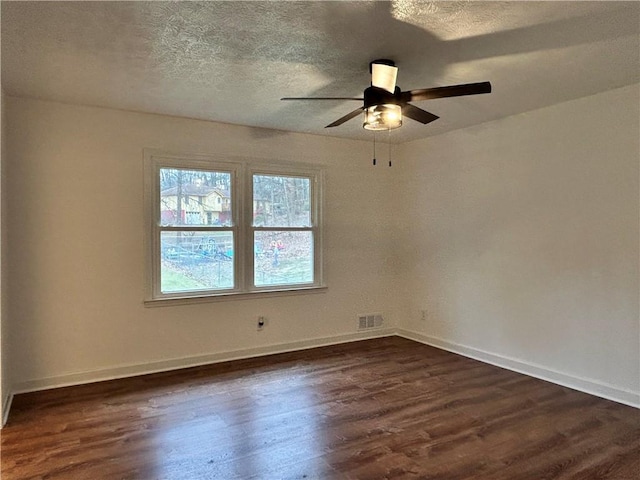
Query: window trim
x=242, y=171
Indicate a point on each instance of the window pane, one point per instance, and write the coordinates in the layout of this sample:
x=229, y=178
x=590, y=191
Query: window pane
x=196, y=261
x=195, y=197
x=283, y=258
x=281, y=201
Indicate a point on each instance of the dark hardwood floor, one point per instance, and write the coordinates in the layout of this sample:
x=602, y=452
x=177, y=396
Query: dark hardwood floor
x=384, y=408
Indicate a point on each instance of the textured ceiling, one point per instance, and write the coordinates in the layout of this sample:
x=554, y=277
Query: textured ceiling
x=232, y=61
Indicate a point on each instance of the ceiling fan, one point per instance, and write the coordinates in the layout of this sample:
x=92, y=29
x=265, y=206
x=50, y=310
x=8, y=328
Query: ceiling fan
x=385, y=104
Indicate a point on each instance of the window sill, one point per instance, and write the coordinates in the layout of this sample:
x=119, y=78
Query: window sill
x=221, y=297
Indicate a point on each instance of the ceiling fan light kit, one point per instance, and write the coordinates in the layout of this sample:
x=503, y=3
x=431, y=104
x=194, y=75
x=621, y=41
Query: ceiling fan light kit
x=382, y=117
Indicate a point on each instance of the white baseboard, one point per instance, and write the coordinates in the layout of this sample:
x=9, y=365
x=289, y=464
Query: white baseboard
x=124, y=371
x=6, y=406
x=591, y=387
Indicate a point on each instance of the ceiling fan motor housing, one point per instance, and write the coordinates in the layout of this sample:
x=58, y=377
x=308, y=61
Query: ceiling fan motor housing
x=379, y=96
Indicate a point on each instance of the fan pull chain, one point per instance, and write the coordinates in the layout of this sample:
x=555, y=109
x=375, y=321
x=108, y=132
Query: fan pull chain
x=374, y=148
x=389, y=143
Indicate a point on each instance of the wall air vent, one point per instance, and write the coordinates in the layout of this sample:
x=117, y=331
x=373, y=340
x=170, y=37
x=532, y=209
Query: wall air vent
x=370, y=320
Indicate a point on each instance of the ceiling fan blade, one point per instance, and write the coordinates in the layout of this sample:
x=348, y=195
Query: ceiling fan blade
x=348, y=116
x=322, y=98
x=384, y=76
x=443, y=92
x=418, y=114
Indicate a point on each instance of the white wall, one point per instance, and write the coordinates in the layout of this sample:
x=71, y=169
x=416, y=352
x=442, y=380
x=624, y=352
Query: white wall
x=523, y=246
x=75, y=232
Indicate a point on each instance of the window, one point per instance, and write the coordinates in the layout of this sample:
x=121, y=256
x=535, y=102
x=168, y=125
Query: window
x=256, y=227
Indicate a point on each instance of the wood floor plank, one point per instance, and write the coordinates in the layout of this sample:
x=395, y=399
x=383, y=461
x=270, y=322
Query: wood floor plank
x=378, y=409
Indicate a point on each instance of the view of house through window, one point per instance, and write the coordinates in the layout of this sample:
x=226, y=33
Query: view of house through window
x=199, y=259
x=232, y=230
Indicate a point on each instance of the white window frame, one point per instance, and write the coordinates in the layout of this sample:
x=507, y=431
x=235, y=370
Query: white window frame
x=242, y=171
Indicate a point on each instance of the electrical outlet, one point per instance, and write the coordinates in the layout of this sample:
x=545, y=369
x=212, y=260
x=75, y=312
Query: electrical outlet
x=262, y=322
x=424, y=315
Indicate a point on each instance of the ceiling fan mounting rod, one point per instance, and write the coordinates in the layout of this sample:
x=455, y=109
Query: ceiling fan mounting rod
x=381, y=61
